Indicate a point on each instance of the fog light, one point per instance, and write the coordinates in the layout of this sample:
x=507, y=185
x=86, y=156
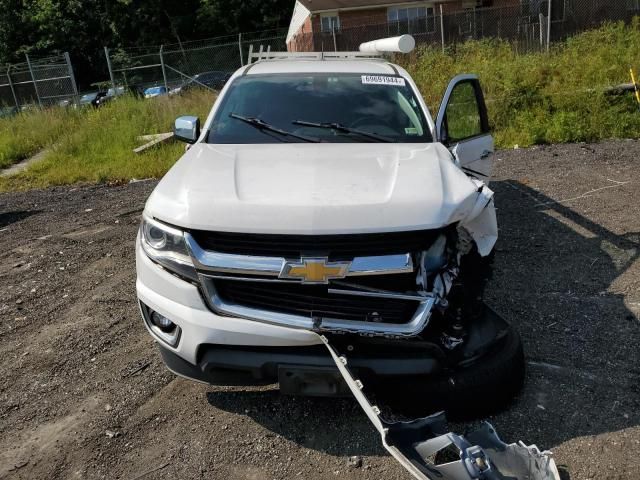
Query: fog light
x=161, y=327
x=162, y=322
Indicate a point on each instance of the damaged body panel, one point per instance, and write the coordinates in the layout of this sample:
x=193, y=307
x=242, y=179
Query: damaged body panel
x=466, y=221
x=481, y=453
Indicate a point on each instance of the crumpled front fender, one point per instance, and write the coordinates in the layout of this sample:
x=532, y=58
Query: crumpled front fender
x=481, y=222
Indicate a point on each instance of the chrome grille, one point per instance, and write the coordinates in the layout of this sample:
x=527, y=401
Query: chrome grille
x=242, y=276
x=314, y=301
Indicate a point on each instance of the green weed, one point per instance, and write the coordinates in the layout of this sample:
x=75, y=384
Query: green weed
x=98, y=144
x=27, y=133
x=544, y=98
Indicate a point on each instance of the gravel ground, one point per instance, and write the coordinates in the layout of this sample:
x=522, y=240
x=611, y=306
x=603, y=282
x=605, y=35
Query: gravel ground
x=83, y=392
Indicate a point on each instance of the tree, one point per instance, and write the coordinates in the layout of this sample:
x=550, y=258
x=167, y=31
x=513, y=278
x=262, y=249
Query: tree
x=84, y=27
x=220, y=17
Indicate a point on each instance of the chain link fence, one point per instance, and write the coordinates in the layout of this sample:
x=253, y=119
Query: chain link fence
x=38, y=82
x=206, y=63
x=531, y=25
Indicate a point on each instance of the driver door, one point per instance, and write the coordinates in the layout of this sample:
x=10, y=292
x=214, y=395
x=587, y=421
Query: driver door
x=462, y=126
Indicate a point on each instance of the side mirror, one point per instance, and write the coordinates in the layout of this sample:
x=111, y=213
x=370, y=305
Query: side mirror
x=187, y=129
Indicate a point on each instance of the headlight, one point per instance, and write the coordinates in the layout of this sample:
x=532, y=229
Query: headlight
x=166, y=246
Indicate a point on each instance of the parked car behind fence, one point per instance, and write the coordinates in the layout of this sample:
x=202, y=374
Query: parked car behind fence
x=214, y=80
x=155, y=92
x=91, y=99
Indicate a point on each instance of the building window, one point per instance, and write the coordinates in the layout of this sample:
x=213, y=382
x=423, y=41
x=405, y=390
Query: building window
x=329, y=23
x=466, y=22
x=411, y=20
x=633, y=5
x=537, y=7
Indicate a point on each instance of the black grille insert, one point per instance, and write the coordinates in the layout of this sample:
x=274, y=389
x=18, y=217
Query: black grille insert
x=338, y=247
x=314, y=301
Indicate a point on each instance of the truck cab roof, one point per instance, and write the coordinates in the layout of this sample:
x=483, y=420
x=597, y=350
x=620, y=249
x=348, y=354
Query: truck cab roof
x=348, y=65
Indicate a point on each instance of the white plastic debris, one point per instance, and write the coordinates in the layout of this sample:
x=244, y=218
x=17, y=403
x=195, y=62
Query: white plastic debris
x=482, y=455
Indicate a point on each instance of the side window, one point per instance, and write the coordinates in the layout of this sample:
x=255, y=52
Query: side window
x=464, y=116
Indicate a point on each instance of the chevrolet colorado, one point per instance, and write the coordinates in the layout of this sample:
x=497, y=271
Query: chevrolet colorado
x=321, y=197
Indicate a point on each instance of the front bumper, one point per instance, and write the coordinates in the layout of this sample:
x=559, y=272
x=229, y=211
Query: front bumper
x=229, y=365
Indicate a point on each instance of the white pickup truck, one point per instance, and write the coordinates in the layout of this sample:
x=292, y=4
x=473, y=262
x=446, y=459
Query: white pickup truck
x=321, y=198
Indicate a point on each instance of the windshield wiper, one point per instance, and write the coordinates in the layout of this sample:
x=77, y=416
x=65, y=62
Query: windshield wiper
x=262, y=125
x=338, y=127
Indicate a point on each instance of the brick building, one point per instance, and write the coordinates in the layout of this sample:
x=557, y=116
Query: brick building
x=341, y=24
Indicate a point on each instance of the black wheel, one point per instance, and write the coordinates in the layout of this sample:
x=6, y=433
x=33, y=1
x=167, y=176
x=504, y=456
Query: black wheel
x=485, y=386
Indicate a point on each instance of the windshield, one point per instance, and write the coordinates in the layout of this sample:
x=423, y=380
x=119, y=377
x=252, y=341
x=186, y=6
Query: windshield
x=332, y=108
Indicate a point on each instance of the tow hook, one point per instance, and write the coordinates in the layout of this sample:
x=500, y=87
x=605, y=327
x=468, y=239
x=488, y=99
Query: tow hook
x=476, y=461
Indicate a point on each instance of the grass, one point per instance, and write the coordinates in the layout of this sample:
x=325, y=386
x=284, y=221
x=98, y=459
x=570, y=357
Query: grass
x=539, y=98
x=532, y=99
x=25, y=134
x=95, y=145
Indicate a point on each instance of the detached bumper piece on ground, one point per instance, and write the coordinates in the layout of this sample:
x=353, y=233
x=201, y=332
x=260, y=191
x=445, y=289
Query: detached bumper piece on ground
x=417, y=444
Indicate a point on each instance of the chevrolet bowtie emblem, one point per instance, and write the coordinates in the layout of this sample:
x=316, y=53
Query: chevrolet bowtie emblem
x=314, y=270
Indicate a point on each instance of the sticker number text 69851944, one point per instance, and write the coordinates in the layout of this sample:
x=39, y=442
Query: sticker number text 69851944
x=382, y=80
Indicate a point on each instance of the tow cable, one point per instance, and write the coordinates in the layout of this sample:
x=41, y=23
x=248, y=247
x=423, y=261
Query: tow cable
x=413, y=443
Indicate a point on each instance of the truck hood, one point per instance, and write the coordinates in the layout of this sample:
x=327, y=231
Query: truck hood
x=314, y=188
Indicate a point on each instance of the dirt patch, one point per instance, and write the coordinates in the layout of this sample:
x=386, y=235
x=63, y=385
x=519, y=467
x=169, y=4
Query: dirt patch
x=83, y=392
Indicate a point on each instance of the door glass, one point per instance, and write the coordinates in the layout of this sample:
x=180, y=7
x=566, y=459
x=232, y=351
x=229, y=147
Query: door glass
x=463, y=113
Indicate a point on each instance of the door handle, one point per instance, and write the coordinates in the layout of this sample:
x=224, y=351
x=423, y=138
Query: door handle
x=485, y=154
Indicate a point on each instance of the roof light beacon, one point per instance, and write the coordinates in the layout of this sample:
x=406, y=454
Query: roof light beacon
x=401, y=44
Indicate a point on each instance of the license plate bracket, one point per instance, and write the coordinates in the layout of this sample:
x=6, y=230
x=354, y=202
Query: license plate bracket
x=312, y=381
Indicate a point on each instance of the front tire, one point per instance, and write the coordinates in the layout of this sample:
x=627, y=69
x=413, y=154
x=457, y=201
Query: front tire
x=485, y=386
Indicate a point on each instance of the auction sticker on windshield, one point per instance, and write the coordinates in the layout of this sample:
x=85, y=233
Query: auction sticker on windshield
x=382, y=80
